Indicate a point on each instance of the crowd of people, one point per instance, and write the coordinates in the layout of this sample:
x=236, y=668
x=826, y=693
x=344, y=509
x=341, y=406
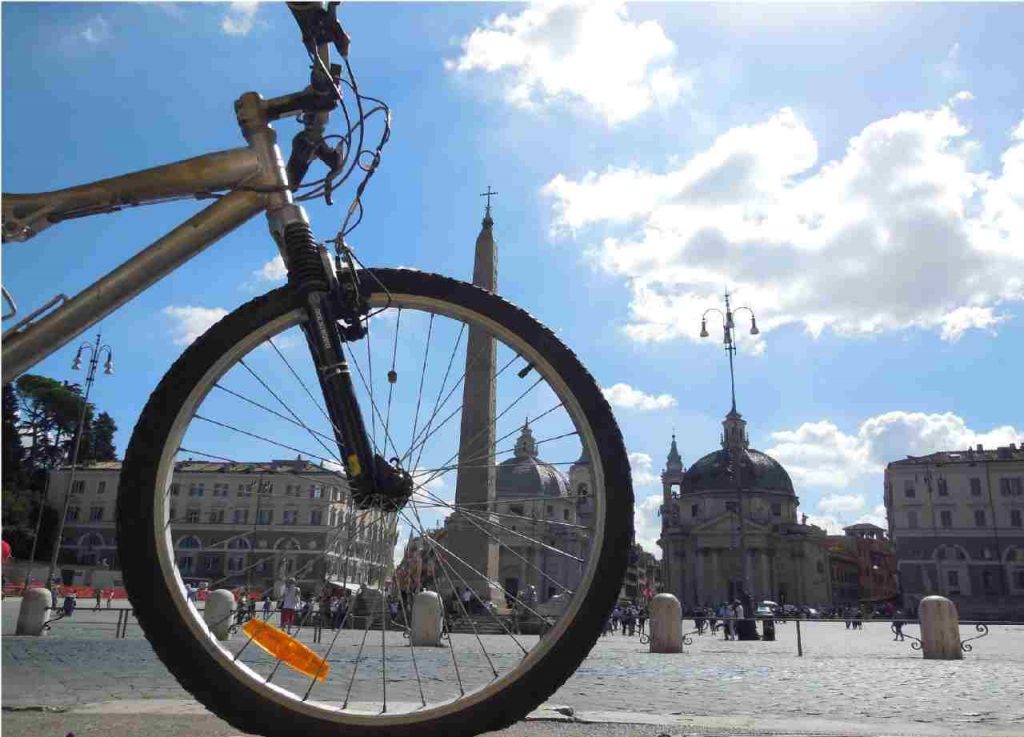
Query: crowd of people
x=628, y=619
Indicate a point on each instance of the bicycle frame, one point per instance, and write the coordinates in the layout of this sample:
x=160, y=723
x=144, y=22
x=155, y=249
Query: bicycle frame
x=254, y=176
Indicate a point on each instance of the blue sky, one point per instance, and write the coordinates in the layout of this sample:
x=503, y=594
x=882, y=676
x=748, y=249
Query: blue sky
x=853, y=173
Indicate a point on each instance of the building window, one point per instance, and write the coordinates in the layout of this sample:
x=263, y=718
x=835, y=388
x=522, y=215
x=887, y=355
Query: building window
x=987, y=553
x=975, y=487
x=244, y=490
x=195, y=490
x=1015, y=518
x=175, y=489
x=953, y=578
x=1019, y=575
x=291, y=516
x=776, y=509
x=210, y=562
x=551, y=510
x=72, y=514
x=912, y=519
x=565, y=515
x=694, y=510
x=265, y=488
x=908, y=489
x=96, y=514
x=173, y=517
x=220, y=489
x=979, y=517
x=1011, y=486
x=987, y=581
x=216, y=516
x=946, y=518
x=265, y=517
x=192, y=515
x=943, y=487
x=316, y=491
x=241, y=516
x=236, y=564
x=730, y=506
x=316, y=517
x=185, y=563
x=239, y=543
x=101, y=487
x=78, y=487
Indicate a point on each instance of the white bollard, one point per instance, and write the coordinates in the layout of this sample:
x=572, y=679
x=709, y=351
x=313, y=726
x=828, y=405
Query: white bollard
x=220, y=605
x=666, y=624
x=940, y=629
x=33, y=613
x=426, y=620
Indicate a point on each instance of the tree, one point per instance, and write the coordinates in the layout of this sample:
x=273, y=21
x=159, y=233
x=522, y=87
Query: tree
x=48, y=418
x=13, y=470
x=101, y=447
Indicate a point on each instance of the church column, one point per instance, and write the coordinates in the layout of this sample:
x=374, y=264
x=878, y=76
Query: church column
x=715, y=583
x=766, y=582
x=698, y=578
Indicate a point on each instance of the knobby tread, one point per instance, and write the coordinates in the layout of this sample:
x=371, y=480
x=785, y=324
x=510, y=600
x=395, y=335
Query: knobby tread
x=230, y=698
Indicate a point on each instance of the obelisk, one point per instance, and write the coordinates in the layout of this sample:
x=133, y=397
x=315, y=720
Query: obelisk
x=467, y=528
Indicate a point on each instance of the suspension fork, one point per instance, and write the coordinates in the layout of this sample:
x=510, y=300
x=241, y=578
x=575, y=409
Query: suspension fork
x=312, y=278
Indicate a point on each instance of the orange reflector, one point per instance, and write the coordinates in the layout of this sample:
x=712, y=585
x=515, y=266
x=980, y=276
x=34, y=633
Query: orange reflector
x=286, y=648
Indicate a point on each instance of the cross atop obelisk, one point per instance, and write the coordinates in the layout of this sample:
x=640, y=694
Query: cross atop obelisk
x=488, y=194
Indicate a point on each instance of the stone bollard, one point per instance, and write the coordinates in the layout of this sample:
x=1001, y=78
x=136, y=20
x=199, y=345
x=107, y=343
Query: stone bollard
x=426, y=620
x=220, y=604
x=33, y=613
x=940, y=629
x=666, y=624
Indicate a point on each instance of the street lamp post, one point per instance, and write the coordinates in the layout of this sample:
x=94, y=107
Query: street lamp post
x=732, y=446
x=95, y=351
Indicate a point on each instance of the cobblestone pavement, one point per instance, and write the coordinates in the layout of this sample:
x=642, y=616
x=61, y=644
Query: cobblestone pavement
x=859, y=682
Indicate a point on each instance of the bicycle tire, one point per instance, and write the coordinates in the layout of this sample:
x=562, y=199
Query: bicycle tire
x=157, y=596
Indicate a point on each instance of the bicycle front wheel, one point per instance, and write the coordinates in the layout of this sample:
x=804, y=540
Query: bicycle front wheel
x=520, y=522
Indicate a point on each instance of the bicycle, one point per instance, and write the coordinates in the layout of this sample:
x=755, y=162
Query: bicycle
x=248, y=384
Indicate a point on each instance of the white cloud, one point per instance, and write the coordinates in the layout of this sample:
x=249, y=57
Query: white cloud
x=96, y=30
x=841, y=503
x=900, y=232
x=647, y=523
x=829, y=524
x=240, y=18
x=641, y=467
x=191, y=322
x=273, y=270
x=591, y=53
x=624, y=396
x=820, y=454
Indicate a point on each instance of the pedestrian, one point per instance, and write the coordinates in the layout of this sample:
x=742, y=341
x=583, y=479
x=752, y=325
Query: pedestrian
x=616, y=616
x=53, y=596
x=70, y=602
x=739, y=614
x=98, y=595
x=897, y=625
x=290, y=601
x=110, y=596
x=266, y=605
x=724, y=615
x=643, y=618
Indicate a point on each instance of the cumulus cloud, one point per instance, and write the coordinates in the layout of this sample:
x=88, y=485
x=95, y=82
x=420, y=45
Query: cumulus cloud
x=624, y=396
x=642, y=469
x=191, y=322
x=240, y=18
x=588, y=53
x=841, y=503
x=96, y=30
x=647, y=523
x=899, y=232
x=820, y=454
x=273, y=270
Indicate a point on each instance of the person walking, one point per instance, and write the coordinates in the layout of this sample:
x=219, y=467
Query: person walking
x=739, y=614
x=290, y=601
x=724, y=615
x=266, y=605
x=97, y=593
x=110, y=596
x=642, y=617
x=897, y=626
x=70, y=603
x=53, y=596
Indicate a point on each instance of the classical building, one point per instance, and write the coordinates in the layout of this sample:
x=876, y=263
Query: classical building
x=539, y=531
x=955, y=518
x=862, y=563
x=731, y=499
x=237, y=523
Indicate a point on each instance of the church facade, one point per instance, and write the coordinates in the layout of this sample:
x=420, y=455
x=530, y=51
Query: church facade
x=733, y=500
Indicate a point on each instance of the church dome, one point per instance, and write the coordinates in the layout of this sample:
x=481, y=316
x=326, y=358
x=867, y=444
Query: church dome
x=525, y=475
x=757, y=471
